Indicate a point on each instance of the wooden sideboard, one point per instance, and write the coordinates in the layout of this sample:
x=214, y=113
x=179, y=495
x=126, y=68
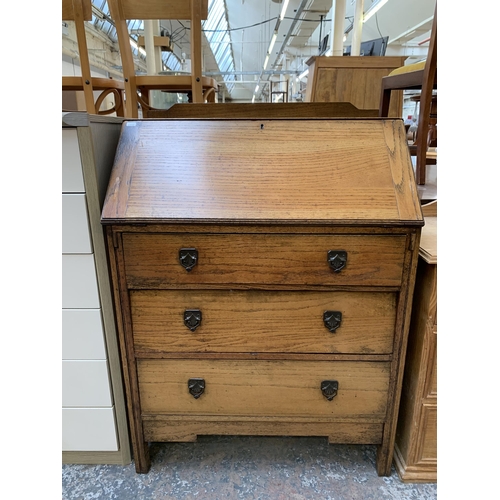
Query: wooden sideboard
x=94, y=419
x=415, y=453
x=263, y=274
x=354, y=79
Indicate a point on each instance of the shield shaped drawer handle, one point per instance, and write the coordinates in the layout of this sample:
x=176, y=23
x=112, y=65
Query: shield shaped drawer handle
x=188, y=257
x=332, y=320
x=337, y=260
x=196, y=387
x=329, y=388
x=192, y=318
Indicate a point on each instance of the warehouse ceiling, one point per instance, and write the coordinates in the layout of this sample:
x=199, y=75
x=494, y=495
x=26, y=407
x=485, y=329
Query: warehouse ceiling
x=237, y=36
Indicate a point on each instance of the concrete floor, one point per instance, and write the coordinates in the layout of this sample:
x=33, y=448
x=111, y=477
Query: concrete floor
x=246, y=468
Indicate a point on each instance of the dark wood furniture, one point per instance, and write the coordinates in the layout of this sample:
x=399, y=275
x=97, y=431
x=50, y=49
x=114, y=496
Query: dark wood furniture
x=263, y=273
x=79, y=11
x=415, y=454
x=424, y=79
x=354, y=79
x=265, y=110
x=199, y=88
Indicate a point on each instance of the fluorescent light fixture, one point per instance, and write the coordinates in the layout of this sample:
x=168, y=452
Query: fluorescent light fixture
x=283, y=9
x=266, y=60
x=273, y=40
x=373, y=9
x=256, y=88
x=253, y=98
x=304, y=74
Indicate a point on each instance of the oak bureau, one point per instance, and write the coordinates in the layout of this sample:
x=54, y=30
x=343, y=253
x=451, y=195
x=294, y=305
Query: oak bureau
x=263, y=272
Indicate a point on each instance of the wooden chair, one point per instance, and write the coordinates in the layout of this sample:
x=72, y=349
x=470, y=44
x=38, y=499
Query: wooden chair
x=80, y=11
x=137, y=87
x=421, y=76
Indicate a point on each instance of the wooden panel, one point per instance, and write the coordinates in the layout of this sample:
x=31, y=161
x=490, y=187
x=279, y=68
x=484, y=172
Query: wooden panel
x=263, y=110
x=85, y=383
x=82, y=334
x=72, y=176
x=245, y=171
x=152, y=260
x=353, y=79
x=75, y=224
x=187, y=428
x=68, y=13
x=159, y=9
x=431, y=388
x=264, y=388
x=251, y=321
x=79, y=282
x=88, y=429
x=427, y=449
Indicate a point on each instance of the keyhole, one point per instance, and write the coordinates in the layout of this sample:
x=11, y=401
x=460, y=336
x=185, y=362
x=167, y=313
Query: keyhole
x=262, y=126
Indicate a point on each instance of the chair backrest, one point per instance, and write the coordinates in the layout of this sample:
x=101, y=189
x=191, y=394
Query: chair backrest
x=80, y=11
x=123, y=10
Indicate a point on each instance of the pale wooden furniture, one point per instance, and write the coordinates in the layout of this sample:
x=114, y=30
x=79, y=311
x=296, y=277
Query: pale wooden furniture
x=415, y=454
x=265, y=110
x=354, y=79
x=199, y=88
x=263, y=277
x=80, y=11
x=94, y=420
x=421, y=76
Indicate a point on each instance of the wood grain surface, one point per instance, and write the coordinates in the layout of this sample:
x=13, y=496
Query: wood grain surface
x=275, y=171
x=255, y=321
x=264, y=388
x=152, y=260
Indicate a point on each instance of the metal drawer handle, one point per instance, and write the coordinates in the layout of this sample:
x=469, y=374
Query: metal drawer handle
x=192, y=318
x=329, y=388
x=188, y=257
x=337, y=259
x=332, y=320
x=196, y=387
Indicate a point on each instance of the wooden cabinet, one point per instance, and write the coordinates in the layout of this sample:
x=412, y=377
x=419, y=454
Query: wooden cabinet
x=416, y=438
x=94, y=420
x=263, y=273
x=354, y=79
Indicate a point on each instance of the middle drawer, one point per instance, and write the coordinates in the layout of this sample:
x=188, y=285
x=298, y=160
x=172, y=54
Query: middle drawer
x=263, y=321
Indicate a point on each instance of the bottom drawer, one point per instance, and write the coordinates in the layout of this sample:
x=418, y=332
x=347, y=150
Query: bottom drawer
x=265, y=388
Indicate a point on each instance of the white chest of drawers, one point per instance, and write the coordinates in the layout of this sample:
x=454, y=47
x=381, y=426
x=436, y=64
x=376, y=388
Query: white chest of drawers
x=94, y=426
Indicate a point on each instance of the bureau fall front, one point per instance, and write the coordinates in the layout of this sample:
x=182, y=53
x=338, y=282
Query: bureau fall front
x=263, y=272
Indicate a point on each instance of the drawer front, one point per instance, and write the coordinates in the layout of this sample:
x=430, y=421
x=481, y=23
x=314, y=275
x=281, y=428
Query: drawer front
x=72, y=174
x=263, y=321
x=79, y=282
x=85, y=383
x=82, y=334
x=259, y=388
x=152, y=260
x=89, y=429
x=75, y=224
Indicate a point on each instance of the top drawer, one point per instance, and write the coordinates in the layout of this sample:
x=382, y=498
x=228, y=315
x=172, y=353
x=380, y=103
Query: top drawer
x=153, y=260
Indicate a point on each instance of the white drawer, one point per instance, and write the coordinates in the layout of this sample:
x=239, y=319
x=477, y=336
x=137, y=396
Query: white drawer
x=79, y=282
x=72, y=174
x=82, y=334
x=85, y=383
x=75, y=224
x=88, y=429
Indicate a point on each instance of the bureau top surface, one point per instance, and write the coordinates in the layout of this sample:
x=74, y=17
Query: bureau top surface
x=314, y=171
